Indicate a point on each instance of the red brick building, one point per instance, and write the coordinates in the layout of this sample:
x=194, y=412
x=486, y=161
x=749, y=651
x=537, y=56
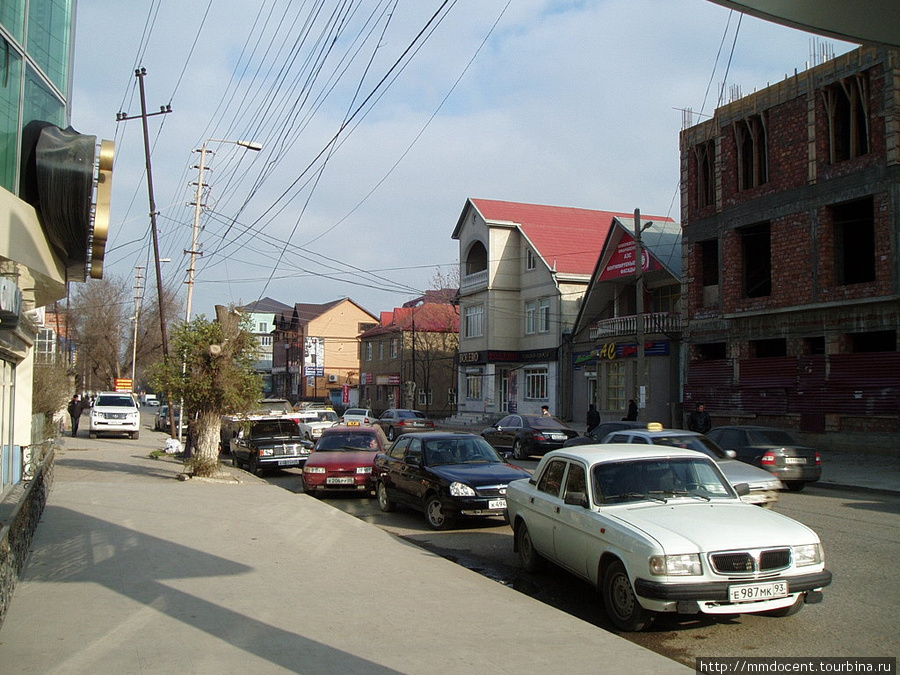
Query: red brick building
x=791, y=215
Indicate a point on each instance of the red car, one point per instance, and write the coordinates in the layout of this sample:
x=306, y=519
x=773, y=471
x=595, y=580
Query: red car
x=342, y=460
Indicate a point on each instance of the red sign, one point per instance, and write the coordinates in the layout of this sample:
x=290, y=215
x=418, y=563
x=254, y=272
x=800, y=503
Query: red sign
x=345, y=394
x=621, y=263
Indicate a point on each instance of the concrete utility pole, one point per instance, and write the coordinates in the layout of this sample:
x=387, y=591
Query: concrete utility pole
x=140, y=73
x=639, y=227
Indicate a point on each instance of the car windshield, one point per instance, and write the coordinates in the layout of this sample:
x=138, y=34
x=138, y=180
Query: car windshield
x=115, y=401
x=771, y=437
x=657, y=480
x=269, y=428
x=459, y=451
x=701, y=443
x=347, y=440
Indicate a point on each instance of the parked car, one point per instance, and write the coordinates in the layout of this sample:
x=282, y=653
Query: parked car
x=526, y=435
x=764, y=487
x=342, y=459
x=161, y=421
x=397, y=421
x=445, y=475
x=774, y=450
x=312, y=422
x=269, y=443
x=357, y=417
x=115, y=413
x=600, y=432
x=660, y=529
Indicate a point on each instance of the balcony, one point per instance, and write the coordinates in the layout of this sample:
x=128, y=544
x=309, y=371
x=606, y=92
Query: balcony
x=477, y=281
x=620, y=326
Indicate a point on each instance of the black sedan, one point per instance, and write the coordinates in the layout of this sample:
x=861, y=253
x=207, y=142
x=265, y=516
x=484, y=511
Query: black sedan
x=526, y=435
x=270, y=443
x=445, y=475
x=772, y=449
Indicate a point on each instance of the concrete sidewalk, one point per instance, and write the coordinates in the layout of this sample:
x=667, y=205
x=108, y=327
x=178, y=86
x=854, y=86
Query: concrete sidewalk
x=135, y=571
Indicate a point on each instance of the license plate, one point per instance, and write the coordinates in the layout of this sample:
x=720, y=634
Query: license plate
x=340, y=480
x=353, y=423
x=751, y=592
x=288, y=462
x=497, y=504
x=795, y=460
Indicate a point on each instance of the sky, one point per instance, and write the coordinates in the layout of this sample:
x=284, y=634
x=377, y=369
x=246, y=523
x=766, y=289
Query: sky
x=380, y=118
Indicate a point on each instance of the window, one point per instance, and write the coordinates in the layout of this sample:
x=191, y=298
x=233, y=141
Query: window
x=10, y=86
x=45, y=346
x=425, y=397
x=615, y=385
x=814, y=345
x=381, y=351
x=265, y=340
x=712, y=351
x=368, y=351
x=854, y=242
x=551, y=479
x=576, y=482
x=705, y=156
x=752, y=152
x=876, y=341
x=395, y=348
x=530, y=259
x=451, y=396
x=476, y=261
x=765, y=349
x=473, y=384
x=530, y=317
x=474, y=320
x=536, y=380
x=544, y=315
x=665, y=299
x=847, y=110
x=263, y=327
x=756, y=255
x=709, y=262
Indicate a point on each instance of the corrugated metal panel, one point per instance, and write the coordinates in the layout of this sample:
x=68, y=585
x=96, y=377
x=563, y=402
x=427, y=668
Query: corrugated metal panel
x=772, y=372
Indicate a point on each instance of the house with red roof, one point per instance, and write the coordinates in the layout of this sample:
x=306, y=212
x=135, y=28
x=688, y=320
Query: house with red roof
x=524, y=271
x=409, y=359
x=315, y=355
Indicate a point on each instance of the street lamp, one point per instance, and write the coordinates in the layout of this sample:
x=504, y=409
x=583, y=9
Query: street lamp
x=198, y=209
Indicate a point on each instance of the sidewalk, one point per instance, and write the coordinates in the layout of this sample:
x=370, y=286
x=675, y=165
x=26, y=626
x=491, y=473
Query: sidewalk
x=135, y=571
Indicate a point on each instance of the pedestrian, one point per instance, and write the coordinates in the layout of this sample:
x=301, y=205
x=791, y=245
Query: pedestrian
x=545, y=411
x=593, y=418
x=632, y=411
x=76, y=407
x=699, y=420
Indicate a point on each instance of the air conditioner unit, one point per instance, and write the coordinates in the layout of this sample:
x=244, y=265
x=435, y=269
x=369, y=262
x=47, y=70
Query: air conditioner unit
x=332, y=378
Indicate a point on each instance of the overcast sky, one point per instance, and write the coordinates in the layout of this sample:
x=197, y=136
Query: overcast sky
x=379, y=118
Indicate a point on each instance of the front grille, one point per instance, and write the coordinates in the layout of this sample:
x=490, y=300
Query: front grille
x=749, y=562
x=491, y=491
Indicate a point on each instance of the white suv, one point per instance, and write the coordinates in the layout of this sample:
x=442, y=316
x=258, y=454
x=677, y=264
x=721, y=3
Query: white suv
x=115, y=412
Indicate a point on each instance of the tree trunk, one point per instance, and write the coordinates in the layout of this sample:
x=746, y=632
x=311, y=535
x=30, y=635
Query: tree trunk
x=205, y=459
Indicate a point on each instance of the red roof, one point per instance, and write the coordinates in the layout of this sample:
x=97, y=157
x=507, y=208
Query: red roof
x=568, y=239
x=429, y=318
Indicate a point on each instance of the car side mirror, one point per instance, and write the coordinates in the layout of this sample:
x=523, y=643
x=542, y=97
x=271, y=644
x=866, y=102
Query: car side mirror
x=742, y=489
x=576, y=499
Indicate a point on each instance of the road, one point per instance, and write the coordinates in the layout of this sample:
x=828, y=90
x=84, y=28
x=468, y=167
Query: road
x=860, y=531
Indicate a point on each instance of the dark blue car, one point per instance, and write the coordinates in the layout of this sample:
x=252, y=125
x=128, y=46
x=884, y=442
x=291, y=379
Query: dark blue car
x=445, y=475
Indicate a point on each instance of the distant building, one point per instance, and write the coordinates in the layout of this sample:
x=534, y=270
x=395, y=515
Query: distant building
x=792, y=270
x=261, y=315
x=409, y=359
x=315, y=353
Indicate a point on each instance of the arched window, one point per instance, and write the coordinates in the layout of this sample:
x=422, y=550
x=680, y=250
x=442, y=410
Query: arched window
x=476, y=260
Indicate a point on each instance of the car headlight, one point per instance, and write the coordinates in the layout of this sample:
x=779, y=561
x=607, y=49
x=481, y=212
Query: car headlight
x=676, y=565
x=810, y=554
x=314, y=469
x=364, y=469
x=461, y=490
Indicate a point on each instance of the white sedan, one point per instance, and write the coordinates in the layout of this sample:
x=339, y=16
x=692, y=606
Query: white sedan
x=660, y=529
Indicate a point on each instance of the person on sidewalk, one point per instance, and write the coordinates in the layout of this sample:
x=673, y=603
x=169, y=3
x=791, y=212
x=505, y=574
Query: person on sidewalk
x=76, y=407
x=593, y=419
x=545, y=411
x=699, y=420
x=632, y=411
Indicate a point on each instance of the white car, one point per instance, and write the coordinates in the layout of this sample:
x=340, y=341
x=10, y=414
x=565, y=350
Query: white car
x=660, y=529
x=115, y=412
x=312, y=422
x=764, y=486
x=358, y=417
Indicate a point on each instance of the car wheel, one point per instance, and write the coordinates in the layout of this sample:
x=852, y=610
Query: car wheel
x=136, y=435
x=436, y=514
x=622, y=605
x=786, y=611
x=384, y=501
x=390, y=434
x=519, y=450
x=253, y=465
x=795, y=485
x=532, y=561
x=235, y=462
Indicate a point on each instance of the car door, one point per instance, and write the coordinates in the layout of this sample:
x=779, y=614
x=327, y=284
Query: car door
x=494, y=435
x=545, y=506
x=575, y=524
x=506, y=436
x=414, y=480
x=736, y=439
x=391, y=468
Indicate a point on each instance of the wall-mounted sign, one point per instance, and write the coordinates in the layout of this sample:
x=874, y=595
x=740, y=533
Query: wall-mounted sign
x=314, y=357
x=621, y=262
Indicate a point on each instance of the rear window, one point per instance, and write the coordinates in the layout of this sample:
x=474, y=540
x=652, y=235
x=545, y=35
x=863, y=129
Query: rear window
x=772, y=438
x=410, y=414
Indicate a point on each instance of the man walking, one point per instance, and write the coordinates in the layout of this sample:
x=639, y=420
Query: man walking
x=699, y=420
x=76, y=407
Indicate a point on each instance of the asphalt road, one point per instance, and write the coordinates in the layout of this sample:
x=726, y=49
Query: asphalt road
x=860, y=531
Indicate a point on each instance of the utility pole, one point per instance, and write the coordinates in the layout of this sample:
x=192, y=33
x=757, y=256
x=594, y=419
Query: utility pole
x=137, y=310
x=639, y=227
x=140, y=73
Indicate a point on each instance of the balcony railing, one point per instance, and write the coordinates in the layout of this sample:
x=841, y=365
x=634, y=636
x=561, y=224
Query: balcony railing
x=474, y=281
x=658, y=322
